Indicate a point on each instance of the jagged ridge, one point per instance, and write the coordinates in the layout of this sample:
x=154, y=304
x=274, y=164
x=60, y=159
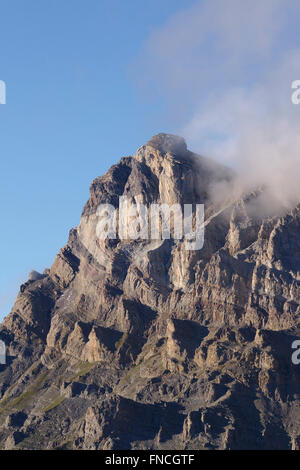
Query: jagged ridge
x=147, y=345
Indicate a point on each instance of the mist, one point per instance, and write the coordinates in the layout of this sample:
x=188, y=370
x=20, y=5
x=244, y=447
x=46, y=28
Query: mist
x=230, y=66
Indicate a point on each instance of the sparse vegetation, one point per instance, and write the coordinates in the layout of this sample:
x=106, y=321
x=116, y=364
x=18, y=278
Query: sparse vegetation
x=130, y=373
x=121, y=341
x=22, y=400
x=84, y=369
x=54, y=404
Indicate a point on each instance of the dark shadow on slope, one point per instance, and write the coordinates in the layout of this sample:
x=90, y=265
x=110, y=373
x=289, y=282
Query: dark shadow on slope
x=189, y=334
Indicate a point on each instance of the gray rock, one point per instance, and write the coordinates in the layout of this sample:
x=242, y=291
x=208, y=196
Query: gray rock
x=126, y=344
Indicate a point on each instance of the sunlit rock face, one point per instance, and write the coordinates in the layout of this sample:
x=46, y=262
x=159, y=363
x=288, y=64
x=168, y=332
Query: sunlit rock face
x=126, y=344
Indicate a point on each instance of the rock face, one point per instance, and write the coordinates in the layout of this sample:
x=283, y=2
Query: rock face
x=142, y=344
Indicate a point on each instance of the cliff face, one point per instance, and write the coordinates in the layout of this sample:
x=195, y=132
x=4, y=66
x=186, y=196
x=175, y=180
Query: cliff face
x=144, y=344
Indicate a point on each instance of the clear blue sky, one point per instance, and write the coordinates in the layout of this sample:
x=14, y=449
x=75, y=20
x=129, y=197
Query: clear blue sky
x=73, y=109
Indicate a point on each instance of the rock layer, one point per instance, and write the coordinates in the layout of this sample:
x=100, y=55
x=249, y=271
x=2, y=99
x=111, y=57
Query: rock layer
x=127, y=344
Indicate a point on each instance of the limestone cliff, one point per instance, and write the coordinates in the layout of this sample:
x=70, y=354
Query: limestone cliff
x=143, y=344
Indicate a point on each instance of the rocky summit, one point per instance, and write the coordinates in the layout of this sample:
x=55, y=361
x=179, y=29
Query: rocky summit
x=143, y=344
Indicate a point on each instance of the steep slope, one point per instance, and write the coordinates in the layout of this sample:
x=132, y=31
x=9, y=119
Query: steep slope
x=144, y=344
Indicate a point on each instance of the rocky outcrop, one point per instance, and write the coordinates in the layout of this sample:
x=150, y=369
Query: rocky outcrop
x=144, y=344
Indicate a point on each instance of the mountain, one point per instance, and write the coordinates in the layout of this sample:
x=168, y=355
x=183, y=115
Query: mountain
x=144, y=344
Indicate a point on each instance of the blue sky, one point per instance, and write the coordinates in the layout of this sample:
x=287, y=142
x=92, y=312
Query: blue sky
x=73, y=109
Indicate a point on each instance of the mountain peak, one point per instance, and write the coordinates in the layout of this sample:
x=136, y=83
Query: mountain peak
x=129, y=343
x=168, y=143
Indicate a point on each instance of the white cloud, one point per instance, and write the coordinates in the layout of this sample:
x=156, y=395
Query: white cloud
x=233, y=62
